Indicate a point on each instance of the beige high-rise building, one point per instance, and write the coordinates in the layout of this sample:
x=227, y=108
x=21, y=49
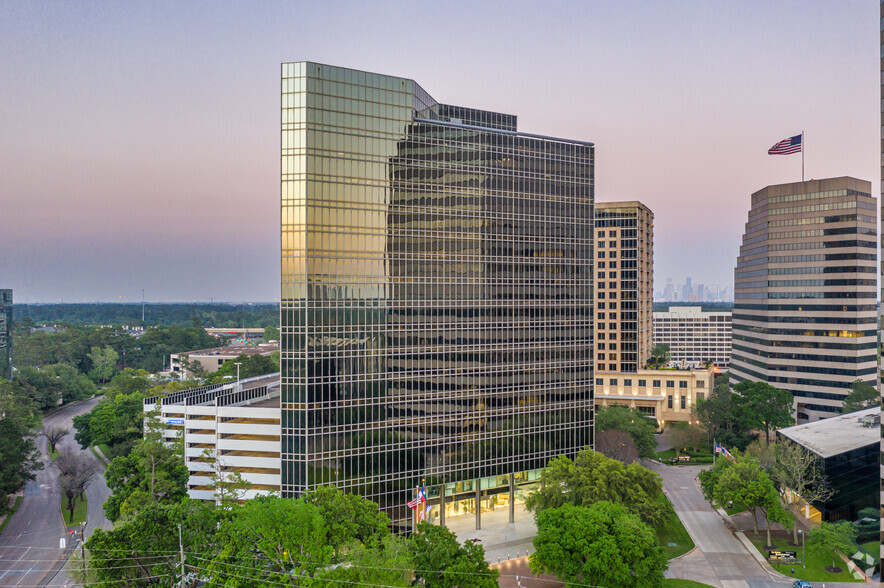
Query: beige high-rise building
x=805, y=289
x=624, y=261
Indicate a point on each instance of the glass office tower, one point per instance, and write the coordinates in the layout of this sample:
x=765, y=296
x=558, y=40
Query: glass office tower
x=436, y=308
x=6, y=334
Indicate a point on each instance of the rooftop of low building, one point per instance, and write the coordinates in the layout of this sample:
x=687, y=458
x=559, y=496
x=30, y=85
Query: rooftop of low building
x=838, y=434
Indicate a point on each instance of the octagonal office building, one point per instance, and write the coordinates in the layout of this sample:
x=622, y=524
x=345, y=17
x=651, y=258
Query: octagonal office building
x=436, y=306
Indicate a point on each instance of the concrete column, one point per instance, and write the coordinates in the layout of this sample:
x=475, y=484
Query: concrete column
x=512, y=500
x=442, y=504
x=478, y=506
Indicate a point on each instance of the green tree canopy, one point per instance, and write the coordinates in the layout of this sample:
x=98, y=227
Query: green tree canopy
x=440, y=561
x=271, y=334
x=154, y=472
x=349, y=517
x=19, y=458
x=830, y=539
x=759, y=405
x=251, y=366
x=744, y=482
x=600, y=545
x=861, y=397
x=593, y=477
x=278, y=536
x=632, y=421
x=103, y=361
x=659, y=356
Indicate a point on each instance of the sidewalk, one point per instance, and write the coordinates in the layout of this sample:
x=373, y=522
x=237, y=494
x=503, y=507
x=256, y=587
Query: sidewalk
x=501, y=539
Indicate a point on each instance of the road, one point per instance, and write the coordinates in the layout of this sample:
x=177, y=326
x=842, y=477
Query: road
x=29, y=545
x=720, y=559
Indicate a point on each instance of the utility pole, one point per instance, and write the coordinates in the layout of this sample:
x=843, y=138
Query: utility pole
x=142, y=306
x=181, y=549
x=238, y=385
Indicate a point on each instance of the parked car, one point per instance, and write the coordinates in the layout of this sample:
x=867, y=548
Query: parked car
x=801, y=584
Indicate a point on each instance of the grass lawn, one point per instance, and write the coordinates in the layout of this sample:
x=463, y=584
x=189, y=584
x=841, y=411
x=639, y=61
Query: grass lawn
x=680, y=583
x=697, y=457
x=815, y=571
x=11, y=512
x=54, y=455
x=737, y=508
x=674, y=532
x=97, y=455
x=79, y=511
x=105, y=450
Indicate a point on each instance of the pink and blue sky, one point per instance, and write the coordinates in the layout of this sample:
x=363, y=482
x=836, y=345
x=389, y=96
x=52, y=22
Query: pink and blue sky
x=139, y=140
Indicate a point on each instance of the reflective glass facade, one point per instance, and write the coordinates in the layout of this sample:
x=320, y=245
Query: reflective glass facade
x=6, y=334
x=436, y=291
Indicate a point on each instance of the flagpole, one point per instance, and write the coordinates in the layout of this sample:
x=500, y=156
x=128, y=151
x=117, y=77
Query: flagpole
x=802, y=155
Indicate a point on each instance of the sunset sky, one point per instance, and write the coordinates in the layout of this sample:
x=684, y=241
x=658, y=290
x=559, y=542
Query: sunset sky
x=139, y=142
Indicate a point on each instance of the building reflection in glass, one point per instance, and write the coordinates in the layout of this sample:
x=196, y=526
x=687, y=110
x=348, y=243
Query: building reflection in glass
x=437, y=293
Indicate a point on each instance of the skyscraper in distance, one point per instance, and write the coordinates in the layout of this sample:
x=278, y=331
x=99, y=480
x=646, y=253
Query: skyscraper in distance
x=6, y=334
x=805, y=312
x=436, y=315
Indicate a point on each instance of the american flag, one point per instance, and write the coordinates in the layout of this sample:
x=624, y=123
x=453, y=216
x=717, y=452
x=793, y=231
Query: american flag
x=786, y=146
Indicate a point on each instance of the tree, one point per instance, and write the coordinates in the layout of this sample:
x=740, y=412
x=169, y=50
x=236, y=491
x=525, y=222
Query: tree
x=387, y=564
x=128, y=551
x=798, y=470
x=709, y=478
x=349, y=517
x=660, y=355
x=19, y=457
x=759, y=405
x=103, y=362
x=632, y=421
x=745, y=483
x=766, y=456
x=617, y=445
x=600, y=545
x=717, y=414
x=681, y=437
x=441, y=562
x=861, y=397
x=53, y=435
x=251, y=366
x=227, y=483
x=592, y=477
x=117, y=421
x=271, y=334
x=153, y=472
x=777, y=513
x=284, y=538
x=829, y=539
x=76, y=473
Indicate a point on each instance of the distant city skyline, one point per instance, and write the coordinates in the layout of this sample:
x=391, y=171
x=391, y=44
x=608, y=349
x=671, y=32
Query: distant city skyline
x=139, y=144
x=689, y=290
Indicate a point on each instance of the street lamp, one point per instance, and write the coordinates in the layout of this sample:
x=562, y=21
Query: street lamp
x=237, y=364
x=801, y=532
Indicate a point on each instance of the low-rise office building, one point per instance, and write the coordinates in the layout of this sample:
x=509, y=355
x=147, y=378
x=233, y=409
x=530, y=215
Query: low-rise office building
x=695, y=337
x=848, y=448
x=666, y=395
x=226, y=428
x=212, y=359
